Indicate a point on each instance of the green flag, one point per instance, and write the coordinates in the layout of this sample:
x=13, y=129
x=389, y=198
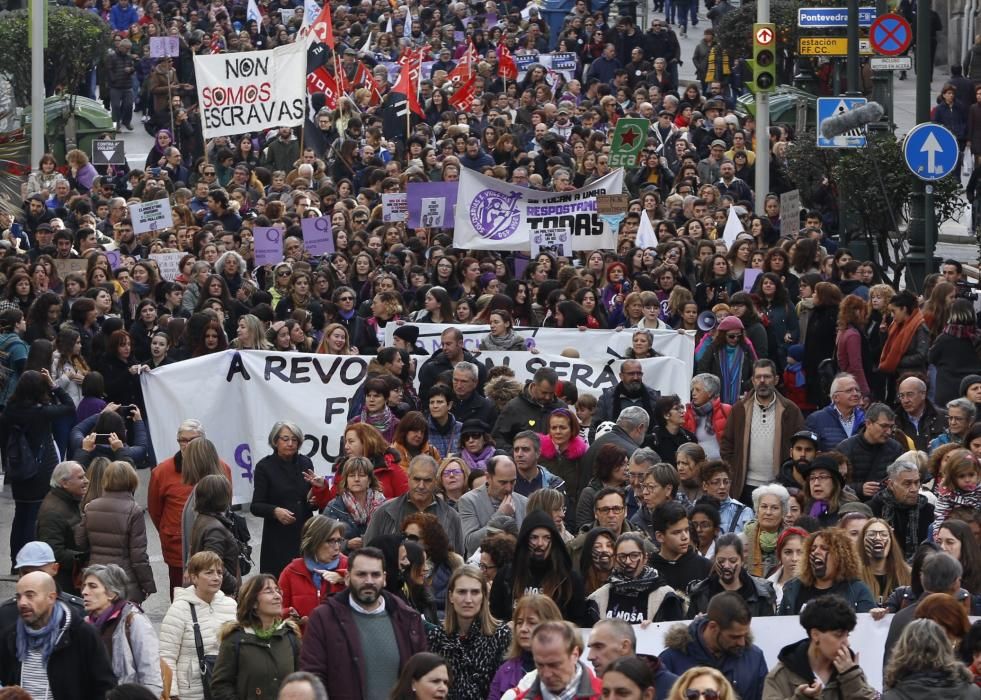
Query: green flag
x=629, y=139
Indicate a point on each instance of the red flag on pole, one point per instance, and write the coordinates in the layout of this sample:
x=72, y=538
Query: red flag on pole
x=408, y=81
x=323, y=27
x=506, y=67
x=321, y=80
x=462, y=99
x=364, y=77
x=464, y=69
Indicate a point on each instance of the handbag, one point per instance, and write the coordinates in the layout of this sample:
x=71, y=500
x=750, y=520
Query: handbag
x=206, y=662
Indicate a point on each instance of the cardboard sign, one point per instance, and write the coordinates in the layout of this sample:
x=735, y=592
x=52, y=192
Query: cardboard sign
x=168, y=264
x=790, y=214
x=612, y=203
x=268, y=245
x=318, y=235
x=151, y=216
x=395, y=207
x=556, y=240
x=108, y=152
x=64, y=267
x=164, y=47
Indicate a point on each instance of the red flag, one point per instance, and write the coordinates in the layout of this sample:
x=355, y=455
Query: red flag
x=321, y=80
x=343, y=84
x=506, y=67
x=323, y=27
x=409, y=80
x=462, y=99
x=464, y=69
x=364, y=77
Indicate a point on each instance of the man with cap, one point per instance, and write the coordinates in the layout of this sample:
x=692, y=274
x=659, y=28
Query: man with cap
x=665, y=132
x=843, y=417
x=803, y=448
x=729, y=184
x=36, y=556
x=57, y=518
x=709, y=167
x=444, y=62
x=563, y=125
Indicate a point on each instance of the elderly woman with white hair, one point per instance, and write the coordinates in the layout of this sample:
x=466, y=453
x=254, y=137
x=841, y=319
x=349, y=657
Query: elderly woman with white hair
x=770, y=503
x=706, y=415
x=279, y=497
x=125, y=630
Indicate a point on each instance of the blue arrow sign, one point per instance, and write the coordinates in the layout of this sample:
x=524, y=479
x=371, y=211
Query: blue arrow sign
x=832, y=16
x=930, y=151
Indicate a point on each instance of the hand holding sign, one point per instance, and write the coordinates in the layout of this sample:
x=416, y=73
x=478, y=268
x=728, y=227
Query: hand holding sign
x=318, y=236
x=268, y=245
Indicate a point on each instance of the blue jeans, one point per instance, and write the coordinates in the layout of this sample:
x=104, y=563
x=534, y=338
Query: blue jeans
x=683, y=7
x=669, y=11
x=23, y=527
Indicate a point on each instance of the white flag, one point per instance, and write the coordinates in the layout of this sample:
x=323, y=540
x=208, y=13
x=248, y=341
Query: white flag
x=252, y=13
x=407, y=27
x=646, y=238
x=311, y=10
x=733, y=228
x=388, y=27
x=366, y=47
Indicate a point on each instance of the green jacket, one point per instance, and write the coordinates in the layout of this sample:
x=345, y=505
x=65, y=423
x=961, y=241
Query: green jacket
x=248, y=667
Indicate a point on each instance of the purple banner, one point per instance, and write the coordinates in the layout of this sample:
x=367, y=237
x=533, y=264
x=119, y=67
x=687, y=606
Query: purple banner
x=164, y=47
x=431, y=204
x=268, y=245
x=318, y=236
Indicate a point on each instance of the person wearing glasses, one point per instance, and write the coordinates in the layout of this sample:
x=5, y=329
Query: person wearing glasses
x=318, y=572
x=730, y=357
x=843, y=417
x=917, y=417
x=872, y=451
x=820, y=666
x=279, y=497
x=702, y=682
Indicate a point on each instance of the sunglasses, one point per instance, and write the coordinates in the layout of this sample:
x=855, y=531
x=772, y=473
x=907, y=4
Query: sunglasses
x=708, y=694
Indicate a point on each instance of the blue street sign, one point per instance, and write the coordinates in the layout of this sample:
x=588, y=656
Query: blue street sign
x=832, y=16
x=828, y=107
x=930, y=151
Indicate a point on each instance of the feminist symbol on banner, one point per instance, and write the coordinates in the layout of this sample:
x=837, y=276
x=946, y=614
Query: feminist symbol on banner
x=268, y=243
x=318, y=236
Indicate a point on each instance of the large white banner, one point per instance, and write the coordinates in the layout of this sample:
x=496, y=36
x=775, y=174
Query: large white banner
x=595, y=347
x=495, y=215
x=238, y=396
x=252, y=91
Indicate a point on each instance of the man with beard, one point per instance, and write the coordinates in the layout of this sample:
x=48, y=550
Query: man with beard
x=758, y=433
x=635, y=592
x=883, y=567
x=729, y=574
x=365, y=630
x=902, y=506
x=609, y=511
x=541, y=565
x=677, y=562
x=612, y=639
x=719, y=639
x=803, y=448
x=829, y=566
x=629, y=391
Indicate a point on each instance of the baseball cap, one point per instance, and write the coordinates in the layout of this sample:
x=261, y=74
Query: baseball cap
x=35, y=554
x=804, y=435
x=718, y=142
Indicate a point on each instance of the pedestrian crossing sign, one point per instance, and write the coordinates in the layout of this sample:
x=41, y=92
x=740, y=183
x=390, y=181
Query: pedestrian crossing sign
x=828, y=107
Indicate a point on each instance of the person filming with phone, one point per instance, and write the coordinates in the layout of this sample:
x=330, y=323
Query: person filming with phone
x=105, y=435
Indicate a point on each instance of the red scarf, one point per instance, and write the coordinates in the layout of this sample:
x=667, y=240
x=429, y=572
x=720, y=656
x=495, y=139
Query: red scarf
x=897, y=342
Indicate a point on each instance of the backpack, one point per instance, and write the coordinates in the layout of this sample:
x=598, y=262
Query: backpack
x=240, y=531
x=6, y=371
x=23, y=461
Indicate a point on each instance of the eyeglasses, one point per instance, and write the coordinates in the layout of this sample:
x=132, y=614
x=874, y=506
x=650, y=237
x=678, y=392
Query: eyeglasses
x=209, y=173
x=629, y=556
x=819, y=477
x=734, y=336
x=336, y=541
x=284, y=273
x=703, y=525
x=649, y=487
x=708, y=694
x=452, y=472
x=486, y=567
x=345, y=299
x=887, y=427
x=610, y=510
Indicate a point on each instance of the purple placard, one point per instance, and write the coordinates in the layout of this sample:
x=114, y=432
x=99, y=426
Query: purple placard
x=164, y=46
x=750, y=275
x=520, y=265
x=268, y=245
x=318, y=236
x=431, y=204
x=114, y=258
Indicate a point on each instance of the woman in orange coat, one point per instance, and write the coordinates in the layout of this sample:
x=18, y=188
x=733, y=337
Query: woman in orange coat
x=318, y=573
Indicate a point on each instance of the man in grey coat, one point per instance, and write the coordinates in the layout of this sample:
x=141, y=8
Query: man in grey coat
x=496, y=496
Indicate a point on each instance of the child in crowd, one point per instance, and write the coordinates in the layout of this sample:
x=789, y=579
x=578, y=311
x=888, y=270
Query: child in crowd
x=958, y=486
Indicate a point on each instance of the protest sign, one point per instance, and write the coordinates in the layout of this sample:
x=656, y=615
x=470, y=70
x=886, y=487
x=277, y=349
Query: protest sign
x=395, y=207
x=430, y=204
x=629, y=139
x=496, y=215
x=750, y=275
x=114, y=257
x=164, y=47
x=150, y=216
x=242, y=92
x=563, y=63
x=108, y=152
x=318, y=235
x=65, y=266
x=790, y=214
x=268, y=243
x=240, y=395
x=169, y=264
x=555, y=240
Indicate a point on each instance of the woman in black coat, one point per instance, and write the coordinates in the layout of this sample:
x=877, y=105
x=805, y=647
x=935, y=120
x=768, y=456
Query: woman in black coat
x=120, y=371
x=819, y=343
x=34, y=405
x=279, y=496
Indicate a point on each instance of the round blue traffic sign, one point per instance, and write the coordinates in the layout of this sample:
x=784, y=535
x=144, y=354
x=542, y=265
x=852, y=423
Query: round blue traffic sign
x=930, y=151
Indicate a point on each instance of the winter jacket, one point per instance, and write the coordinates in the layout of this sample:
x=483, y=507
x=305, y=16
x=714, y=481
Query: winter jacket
x=135, y=654
x=134, y=450
x=332, y=642
x=177, y=647
x=854, y=356
x=35, y=420
x=212, y=533
x=114, y=530
x=78, y=668
x=613, y=400
x=954, y=358
x=830, y=431
x=165, y=503
x=524, y=413
x=438, y=363
x=819, y=344
x=121, y=68
x=927, y=685
x=757, y=592
x=685, y=649
x=56, y=522
x=734, y=443
x=280, y=484
x=854, y=591
x=567, y=465
x=720, y=415
x=590, y=687
x=869, y=462
x=794, y=670
x=932, y=424
x=387, y=520
x=510, y=674
x=249, y=667
x=296, y=583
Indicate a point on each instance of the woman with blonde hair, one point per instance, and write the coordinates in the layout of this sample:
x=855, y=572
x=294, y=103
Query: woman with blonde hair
x=702, y=682
x=251, y=335
x=529, y=611
x=923, y=665
x=451, y=479
x=336, y=341
x=471, y=640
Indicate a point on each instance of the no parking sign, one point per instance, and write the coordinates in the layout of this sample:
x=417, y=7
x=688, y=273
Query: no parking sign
x=890, y=35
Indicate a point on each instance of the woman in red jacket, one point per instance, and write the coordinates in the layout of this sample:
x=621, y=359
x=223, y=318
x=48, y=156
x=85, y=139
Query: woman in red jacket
x=318, y=573
x=363, y=440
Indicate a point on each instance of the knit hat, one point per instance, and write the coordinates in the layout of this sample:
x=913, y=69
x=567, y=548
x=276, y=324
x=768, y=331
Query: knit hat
x=967, y=381
x=796, y=352
x=408, y=333
x=731, y=323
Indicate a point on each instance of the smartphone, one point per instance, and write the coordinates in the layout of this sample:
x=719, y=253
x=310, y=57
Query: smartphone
x=102, y=438
x=155, y=172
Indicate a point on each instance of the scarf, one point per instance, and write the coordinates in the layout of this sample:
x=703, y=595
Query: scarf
x=44, y=639
x=360, y=514
x=731, y=363
x=505, y=342
x=646, y=582
x=317, y=568
x=268, y=633
x=569, y=692
x=382, y=421
x=960, y=330
x=479, y=462
x=102, y=619
x=797, y=369
x=898, y=340
x=819, y=509
x=890, y=506
x=704, y=417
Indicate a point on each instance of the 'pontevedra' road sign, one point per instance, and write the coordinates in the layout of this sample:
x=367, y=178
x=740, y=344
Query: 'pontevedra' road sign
x=832, y=16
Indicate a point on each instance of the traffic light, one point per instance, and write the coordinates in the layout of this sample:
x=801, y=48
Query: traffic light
x=764, y=61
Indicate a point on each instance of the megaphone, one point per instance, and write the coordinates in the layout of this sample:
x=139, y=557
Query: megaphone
x=707, y=321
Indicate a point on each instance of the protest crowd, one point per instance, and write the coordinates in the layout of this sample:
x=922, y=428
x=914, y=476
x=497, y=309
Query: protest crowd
x=780, y=430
